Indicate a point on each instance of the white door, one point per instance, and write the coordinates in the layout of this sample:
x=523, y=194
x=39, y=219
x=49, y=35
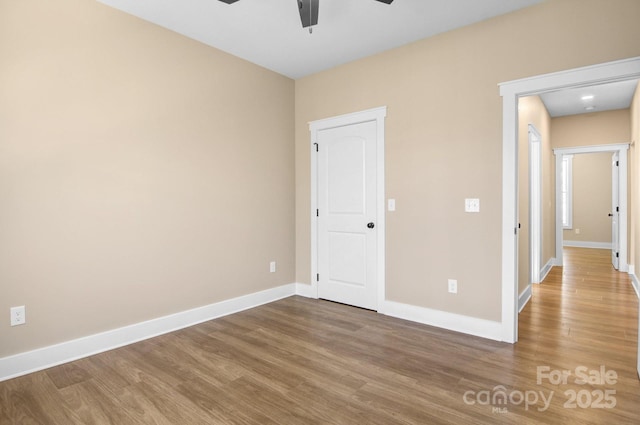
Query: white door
x=615, y=211
x=347, y=214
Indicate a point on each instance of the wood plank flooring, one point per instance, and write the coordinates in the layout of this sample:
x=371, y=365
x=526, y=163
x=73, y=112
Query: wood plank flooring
x=302, y=361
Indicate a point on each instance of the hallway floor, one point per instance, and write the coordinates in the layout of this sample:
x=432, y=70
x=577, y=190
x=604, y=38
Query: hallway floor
x=584, y=319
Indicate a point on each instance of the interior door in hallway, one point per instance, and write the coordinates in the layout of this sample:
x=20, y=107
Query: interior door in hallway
x=615, y=211
x=347, y=217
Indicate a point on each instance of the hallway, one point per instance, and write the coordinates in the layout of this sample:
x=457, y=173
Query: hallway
x=585, y=314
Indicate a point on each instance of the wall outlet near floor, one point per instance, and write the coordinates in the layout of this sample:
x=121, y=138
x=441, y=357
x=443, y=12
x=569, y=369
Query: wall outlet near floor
x=272, y=267
x=18, y=316
x=453, y=286
x=472, y=205
x=577, y=231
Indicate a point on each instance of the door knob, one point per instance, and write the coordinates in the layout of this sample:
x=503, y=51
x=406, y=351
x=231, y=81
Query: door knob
x=610, y=215
x=371, y=225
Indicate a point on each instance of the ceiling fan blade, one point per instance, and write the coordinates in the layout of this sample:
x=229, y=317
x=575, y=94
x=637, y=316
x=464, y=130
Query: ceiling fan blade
x=386, y=1
x=232, y=1
x=308, y=12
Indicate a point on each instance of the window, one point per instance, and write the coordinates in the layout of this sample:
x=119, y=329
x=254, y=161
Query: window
x=567, y=196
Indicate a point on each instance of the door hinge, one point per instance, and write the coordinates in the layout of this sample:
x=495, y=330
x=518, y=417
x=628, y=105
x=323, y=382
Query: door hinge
x=318, y=277
x=617, y=209
x=617, y=163
x=617, y=254
x=316, y=145
x=317, y=213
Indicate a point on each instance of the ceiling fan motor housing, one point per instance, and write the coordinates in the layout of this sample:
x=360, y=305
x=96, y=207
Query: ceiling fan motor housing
x=308, y=10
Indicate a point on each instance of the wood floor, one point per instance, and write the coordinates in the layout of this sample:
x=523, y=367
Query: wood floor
x=302, y=361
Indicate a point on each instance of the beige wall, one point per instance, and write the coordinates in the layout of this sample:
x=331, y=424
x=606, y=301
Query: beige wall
x=444, y=139
x=597, y=128
x=531, y=110
x=141, y=173
x=591, y=198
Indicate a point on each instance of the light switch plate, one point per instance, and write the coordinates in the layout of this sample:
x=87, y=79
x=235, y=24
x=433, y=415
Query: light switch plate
x=391, y=204
x=472, y=205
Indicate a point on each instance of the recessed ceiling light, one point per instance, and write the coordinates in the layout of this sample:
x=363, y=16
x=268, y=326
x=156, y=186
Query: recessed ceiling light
x=587, y=97
x=589, y=108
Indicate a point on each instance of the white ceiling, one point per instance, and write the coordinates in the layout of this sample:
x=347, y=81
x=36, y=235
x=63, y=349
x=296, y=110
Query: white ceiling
x=606, y=97
x=269, y=33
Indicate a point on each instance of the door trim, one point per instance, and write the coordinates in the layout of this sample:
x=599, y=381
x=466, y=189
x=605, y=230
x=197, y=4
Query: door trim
x=621, y=149
x=378, y=115
x=627, y=69
x=535, y=203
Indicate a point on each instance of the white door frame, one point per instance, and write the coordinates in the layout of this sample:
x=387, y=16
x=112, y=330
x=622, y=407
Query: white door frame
x=378, y=115
x=535, y=203
x=621, y=149
x=622, y=70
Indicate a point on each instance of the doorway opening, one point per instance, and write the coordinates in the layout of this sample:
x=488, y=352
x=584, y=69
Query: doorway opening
x=618, y=199
x=623, y=70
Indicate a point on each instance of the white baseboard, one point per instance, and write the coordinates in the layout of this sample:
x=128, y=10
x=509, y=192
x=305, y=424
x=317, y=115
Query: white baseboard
x=587, y=244
x=547, y=268
x=306, y=290
x=451, y=321
x=634, y=280
x=43, y=358
x=46, y=357
x=524, y=298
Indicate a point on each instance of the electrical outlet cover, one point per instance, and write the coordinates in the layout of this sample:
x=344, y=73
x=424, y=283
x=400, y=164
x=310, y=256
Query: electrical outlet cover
x=18, y=316
x=472, y=205
x=453, y=286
